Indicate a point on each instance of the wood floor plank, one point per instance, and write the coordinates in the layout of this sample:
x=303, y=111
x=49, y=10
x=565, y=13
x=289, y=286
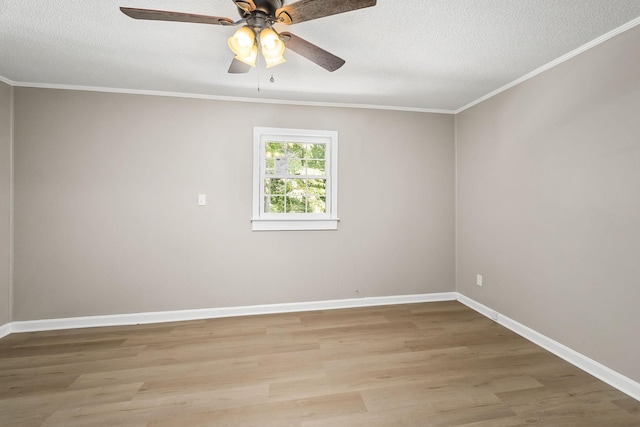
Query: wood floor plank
x=630, y=405
x=291, y=412
x=435, y=364
x=36, y=408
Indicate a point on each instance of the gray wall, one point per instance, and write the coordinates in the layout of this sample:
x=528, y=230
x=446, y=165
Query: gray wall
x=548, y=203
x=107, y=219
x=5, y=202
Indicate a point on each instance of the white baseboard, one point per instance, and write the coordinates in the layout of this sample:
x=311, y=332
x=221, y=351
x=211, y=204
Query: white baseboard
x=598, y=370
x=5, y=330
x=210, y=313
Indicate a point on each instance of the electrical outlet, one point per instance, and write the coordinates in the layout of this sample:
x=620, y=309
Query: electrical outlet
x=479, y=279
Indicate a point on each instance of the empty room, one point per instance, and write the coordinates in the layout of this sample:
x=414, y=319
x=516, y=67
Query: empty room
x=320, y=213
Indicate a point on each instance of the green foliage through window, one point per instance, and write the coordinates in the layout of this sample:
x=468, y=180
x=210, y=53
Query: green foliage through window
x=295, y=177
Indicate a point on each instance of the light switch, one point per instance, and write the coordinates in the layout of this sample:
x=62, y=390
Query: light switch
x=202, y=199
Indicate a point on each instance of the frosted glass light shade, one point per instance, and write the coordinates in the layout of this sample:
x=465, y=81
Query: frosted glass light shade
x=250, y=58
x=243, y=44
x=272, y=47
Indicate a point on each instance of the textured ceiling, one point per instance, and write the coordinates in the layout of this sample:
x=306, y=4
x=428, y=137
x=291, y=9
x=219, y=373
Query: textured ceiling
x=424, y=55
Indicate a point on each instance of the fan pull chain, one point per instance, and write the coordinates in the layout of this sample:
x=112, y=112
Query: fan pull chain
x=258, y=69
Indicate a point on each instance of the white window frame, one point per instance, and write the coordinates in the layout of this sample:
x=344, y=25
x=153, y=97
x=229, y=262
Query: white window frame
x=266, y=221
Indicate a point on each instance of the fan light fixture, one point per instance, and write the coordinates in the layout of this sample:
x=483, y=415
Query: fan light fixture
x=243, y=45
x=257, y=17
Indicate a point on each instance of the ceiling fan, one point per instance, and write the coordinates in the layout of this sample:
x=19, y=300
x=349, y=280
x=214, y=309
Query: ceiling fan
x=258, y=17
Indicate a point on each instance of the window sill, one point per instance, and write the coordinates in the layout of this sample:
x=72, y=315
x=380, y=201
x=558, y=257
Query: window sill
x=258, y=224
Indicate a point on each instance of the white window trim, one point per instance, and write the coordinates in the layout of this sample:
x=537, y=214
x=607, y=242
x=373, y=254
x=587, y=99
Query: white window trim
x=267, y=221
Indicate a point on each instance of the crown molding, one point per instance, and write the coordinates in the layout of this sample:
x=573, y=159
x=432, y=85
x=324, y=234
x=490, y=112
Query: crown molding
x=223, y=98
x=7, y=81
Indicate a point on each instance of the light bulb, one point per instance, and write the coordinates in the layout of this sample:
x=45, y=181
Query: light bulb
x=244, y=41
x=269, y=43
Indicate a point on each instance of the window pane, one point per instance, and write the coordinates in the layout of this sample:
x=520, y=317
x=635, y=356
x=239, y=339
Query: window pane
x=316, y=204
x=281, y=166
x=315, y=167
x=274, y=186
x=297, y=186
x=269, y=166
x=274, y=149
x=296, y=150
x=317, y=190
x=296, y=167
x=274, y=204
x=296, y=204
x=316, y=151
x=317, y=187
x=323, y=205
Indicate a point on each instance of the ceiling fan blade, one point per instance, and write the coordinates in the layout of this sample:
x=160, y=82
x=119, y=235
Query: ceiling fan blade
x=306, y=10
x=238, y=67
x=165, y=15
x=313, y=53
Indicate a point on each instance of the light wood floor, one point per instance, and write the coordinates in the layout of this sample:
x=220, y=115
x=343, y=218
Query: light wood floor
x=433, y=364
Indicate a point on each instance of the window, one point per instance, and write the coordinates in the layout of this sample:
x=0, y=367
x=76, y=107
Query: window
x=295, y=179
